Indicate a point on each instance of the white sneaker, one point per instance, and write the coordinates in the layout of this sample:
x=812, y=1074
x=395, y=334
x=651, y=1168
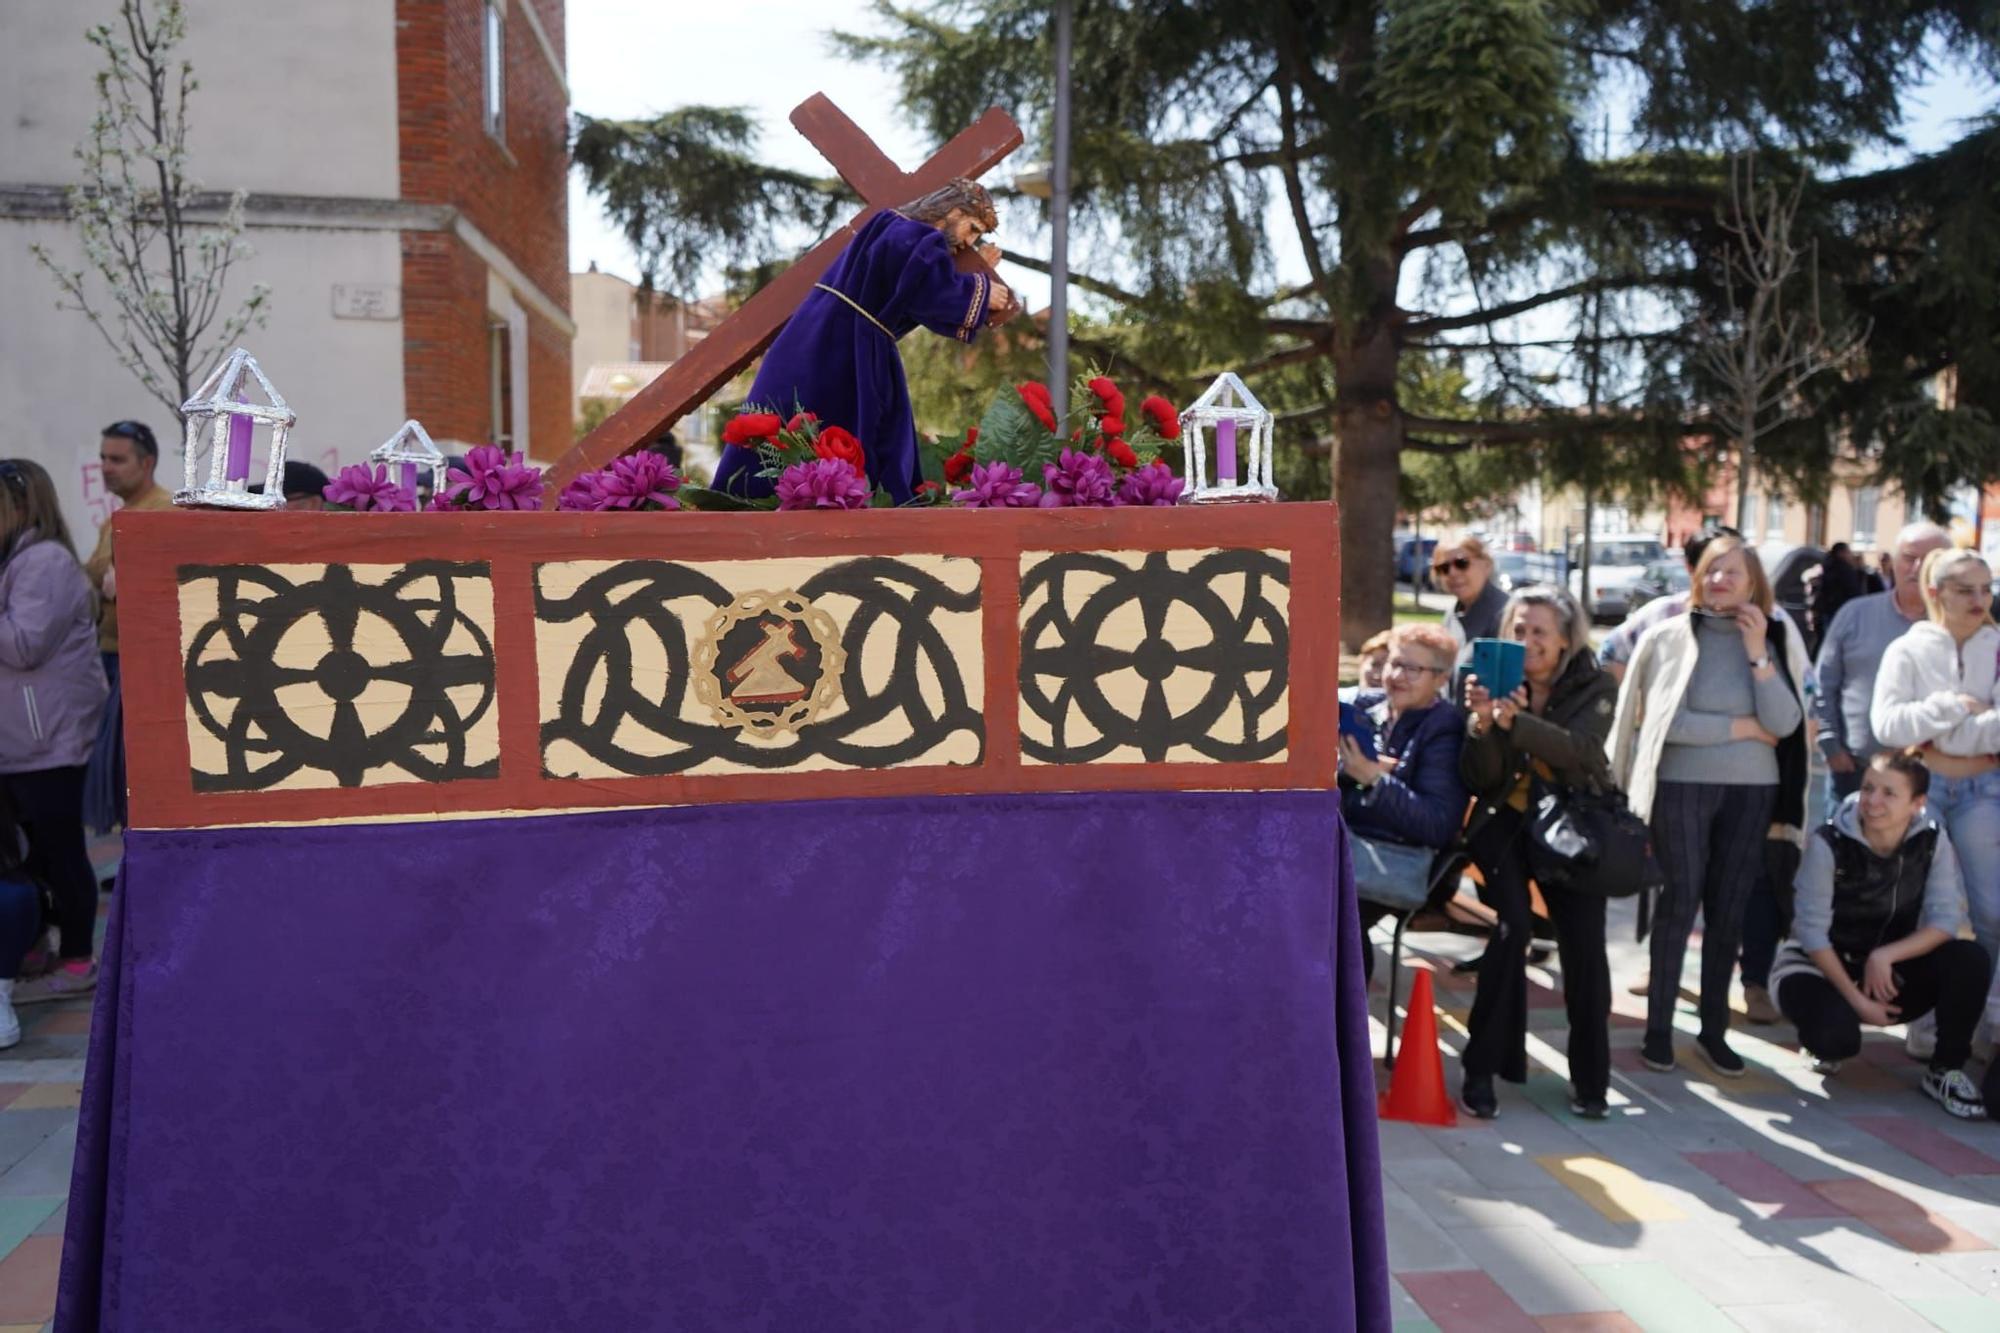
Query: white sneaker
x=10, y=1022
x=1956, y=1093
x=1921, y=1043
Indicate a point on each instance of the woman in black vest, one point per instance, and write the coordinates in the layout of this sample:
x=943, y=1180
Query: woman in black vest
x=1880, y=904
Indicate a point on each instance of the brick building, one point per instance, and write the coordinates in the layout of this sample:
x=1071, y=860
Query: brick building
x=406, y=164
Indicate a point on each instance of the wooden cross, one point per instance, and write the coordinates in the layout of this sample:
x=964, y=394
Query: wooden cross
x=743, y=336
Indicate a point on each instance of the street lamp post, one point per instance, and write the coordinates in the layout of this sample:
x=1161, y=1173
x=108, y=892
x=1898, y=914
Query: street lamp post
x=1059, y=223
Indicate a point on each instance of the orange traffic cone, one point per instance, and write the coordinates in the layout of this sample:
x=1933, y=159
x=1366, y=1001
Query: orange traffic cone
x=1416, y=1090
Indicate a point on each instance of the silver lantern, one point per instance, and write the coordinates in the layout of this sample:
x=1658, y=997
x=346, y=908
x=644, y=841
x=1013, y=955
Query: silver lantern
x=1229, y=416
x=409, y=454
x=222, y=425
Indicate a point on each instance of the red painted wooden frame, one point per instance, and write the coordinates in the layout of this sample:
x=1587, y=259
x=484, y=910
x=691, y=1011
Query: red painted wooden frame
x=153, y=546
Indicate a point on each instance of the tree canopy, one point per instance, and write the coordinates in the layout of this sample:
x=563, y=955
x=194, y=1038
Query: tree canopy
x=1443, y=169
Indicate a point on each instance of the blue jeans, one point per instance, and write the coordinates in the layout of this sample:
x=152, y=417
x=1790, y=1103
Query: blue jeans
x=20, y=923
x=1970, y=809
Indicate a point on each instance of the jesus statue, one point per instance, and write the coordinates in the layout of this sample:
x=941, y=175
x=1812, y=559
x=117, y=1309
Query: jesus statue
x=837, y=356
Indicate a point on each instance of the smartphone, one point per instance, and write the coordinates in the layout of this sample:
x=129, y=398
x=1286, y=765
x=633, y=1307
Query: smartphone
x=1355, y=723
x=1500, y=664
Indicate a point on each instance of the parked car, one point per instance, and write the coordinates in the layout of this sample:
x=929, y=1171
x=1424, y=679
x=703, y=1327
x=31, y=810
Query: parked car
x=1518, y=541
x=1616, y=562
x=1511, y=570
x=1663, y=578
x=1413, y=565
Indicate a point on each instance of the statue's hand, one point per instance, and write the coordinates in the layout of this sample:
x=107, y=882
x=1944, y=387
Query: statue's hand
x=1002, y=305
x=990, y=253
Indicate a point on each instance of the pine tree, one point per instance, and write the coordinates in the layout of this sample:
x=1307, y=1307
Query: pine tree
x=1450, y=141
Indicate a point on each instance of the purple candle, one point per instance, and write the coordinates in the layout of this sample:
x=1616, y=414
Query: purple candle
x=409, y=480
x=1225, y=452
x=237, y=466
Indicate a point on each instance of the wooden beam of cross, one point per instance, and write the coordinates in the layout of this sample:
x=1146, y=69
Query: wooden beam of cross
x=743, y=336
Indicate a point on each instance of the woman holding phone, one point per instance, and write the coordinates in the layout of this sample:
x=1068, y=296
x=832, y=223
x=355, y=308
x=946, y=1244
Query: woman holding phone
x=1553, y=728
x=1709, y=747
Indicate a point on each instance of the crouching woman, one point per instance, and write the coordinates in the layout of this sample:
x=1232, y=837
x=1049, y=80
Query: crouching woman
x=1880, y=904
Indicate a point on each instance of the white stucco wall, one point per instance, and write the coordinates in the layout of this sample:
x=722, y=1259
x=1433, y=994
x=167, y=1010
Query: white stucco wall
x=60, y=384
x=294, y=98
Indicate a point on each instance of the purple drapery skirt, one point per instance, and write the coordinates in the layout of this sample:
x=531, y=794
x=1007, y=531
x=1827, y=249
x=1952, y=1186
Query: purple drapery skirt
x=1019, y=1062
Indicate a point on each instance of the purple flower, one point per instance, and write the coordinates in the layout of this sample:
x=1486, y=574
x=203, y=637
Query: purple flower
x=998, y=486
x=489, y=480
x=361, y=487
x=639, y=481
x=1077, y=479
x=1153, y=484
x=585, y=492
x=822, y=483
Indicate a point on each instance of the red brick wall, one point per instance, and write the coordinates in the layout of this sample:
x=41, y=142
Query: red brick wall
x=515, y=193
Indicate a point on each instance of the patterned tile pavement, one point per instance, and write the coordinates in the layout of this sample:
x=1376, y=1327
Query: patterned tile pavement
x=1781, y=1200
x=1778, y=1201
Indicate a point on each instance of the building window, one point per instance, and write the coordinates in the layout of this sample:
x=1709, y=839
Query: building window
x=1774, y=518
x=1866, y=498
x=500, y=376
x=495, y=45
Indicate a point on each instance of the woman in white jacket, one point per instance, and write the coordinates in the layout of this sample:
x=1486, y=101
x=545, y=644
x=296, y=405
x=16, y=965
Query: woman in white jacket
x=1939, y=688
x=1709, y=747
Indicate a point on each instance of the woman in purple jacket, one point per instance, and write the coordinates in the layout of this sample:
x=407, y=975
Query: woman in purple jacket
x=52, y=694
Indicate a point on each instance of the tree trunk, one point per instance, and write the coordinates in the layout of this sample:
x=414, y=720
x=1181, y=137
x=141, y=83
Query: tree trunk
x=1367, y=481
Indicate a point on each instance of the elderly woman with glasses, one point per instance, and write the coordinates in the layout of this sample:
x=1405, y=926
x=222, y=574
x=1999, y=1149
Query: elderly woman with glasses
x=1939, y=689
x=1464, y=569
x=1407, y=801
x=1552, y=728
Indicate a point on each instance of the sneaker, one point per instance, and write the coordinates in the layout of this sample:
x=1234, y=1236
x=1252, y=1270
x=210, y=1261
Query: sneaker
x=1716, y=1054
x=10, y=1022
x=1587, y=1108
x=1757, y=1006
x=1921, y=1043
x=1826, y=1068
x=1642, y=985
x=1476, y=1096
x=41, y=959
x=1957, y=1094
x=1657, y=1054
x=67, y=982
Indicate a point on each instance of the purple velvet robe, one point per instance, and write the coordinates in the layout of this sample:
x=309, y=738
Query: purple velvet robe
x=832, y=360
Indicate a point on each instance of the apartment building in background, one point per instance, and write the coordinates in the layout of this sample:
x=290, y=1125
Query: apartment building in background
x=407, y=166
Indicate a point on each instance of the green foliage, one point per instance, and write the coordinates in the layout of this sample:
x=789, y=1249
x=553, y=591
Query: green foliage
x=687, y=190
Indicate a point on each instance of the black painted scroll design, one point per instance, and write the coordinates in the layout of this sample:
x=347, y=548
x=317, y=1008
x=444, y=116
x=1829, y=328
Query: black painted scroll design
x=1066, y=655
x=638, y=597
x=234, y=676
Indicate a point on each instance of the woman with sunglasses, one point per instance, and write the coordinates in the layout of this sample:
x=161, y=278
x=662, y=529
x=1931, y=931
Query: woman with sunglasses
x=1939, y=688
x=52, y=693
x=1464, y=569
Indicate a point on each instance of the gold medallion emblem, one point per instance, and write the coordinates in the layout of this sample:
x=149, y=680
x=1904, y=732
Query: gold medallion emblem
x=769, y=662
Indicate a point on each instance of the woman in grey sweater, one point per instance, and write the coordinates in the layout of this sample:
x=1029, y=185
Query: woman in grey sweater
x=1701, y=716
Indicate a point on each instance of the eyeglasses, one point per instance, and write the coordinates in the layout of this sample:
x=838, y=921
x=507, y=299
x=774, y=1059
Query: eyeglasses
x=1410, y=668
x=1461, y=563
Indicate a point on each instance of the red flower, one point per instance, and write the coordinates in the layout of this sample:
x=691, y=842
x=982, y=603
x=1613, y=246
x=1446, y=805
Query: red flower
x=1121, y=454
x=929, y=488
x=971, y=437
x=958, y=467
x=1036, y=396
x=1165, y=420
x=1111, y=426
x=1107, y=394
x=800, y=420
x=833, y=442
x=751, y=427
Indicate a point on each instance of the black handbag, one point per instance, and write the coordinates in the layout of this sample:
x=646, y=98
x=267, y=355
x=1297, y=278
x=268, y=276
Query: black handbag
x=1587, y=840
